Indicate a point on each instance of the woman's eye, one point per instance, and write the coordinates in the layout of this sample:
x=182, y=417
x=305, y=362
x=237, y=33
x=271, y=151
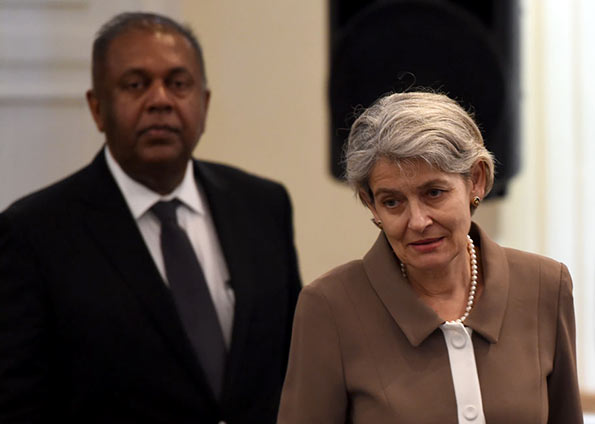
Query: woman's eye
x=390, y=203
x=435, y=192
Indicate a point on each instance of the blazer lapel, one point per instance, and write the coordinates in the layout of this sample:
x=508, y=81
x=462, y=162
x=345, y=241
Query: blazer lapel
x=113, y=227
x=487, y=317
x=416, y=320
x=224, y=211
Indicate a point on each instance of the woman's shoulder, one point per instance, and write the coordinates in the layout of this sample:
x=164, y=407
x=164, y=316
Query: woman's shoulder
x=344, y=292
x=551, y=274
x=518, y=261
x=532, y=260
x=337, y=278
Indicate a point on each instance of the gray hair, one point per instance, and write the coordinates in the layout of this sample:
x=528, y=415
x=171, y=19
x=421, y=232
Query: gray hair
x=415, y=125
x=126, y=21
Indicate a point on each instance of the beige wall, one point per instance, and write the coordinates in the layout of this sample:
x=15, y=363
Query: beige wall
x=267, y=68
x=266, y=64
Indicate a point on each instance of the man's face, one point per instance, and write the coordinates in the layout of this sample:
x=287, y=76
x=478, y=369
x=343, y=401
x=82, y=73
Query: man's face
x=151, y=103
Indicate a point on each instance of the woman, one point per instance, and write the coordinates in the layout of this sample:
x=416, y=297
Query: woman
x=437, y=323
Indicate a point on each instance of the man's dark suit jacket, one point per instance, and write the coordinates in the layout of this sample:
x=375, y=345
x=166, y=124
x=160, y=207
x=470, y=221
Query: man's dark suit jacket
x=88, y=330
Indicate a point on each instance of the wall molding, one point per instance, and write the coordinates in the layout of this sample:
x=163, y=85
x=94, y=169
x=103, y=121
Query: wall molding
x=43, y=4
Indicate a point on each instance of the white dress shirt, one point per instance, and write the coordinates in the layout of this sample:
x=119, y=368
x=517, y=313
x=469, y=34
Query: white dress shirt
x=194, y=217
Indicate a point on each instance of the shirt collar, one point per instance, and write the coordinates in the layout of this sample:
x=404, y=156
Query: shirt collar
x=140, y=198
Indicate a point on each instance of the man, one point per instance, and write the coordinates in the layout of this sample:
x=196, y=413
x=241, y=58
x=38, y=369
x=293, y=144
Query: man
x=148, y=287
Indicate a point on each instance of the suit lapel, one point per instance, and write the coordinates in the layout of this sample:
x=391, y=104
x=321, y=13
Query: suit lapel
x=113, y=227
x=224, y=211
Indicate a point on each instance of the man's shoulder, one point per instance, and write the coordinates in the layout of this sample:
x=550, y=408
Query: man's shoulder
x=233, y=178
x=52, y=196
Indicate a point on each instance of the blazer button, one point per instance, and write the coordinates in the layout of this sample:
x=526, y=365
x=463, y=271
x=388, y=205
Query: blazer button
x=470, y=412
x=458, y=341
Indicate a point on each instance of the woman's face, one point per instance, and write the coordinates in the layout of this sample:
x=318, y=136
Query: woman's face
x=425, y=213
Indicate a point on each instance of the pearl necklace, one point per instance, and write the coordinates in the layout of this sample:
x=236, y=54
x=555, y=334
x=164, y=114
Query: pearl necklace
x=472, y=289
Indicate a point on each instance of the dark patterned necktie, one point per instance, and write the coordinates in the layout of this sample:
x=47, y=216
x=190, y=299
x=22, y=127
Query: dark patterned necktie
x=191, y=294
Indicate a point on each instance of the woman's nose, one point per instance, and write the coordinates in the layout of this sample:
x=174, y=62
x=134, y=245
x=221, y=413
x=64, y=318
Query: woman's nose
x=419, y=218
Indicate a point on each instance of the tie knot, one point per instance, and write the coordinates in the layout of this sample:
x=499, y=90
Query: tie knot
x=166, y=211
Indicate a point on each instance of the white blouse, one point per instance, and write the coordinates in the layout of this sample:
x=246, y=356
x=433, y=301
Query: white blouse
x=464, y=372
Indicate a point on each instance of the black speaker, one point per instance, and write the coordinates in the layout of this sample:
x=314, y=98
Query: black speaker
x=467, y=49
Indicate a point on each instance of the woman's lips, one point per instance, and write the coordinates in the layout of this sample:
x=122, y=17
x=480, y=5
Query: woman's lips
x=426, y=245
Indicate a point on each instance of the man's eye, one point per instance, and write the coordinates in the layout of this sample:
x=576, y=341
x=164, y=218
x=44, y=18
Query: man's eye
x=179, y=83
x=134, y=85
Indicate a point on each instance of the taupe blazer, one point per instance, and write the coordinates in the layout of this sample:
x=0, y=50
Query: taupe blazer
x=365, y=349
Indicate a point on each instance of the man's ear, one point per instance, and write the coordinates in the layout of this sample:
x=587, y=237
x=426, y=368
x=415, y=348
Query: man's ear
x=95, y=108
x=206, y=102
x=478, y=179
x=207, y=99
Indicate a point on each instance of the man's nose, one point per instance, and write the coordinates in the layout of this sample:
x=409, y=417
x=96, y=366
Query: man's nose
x=159, y=99
x=419, y=217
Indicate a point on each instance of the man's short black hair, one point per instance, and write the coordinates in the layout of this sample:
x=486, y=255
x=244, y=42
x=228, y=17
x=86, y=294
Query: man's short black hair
x=126, y=21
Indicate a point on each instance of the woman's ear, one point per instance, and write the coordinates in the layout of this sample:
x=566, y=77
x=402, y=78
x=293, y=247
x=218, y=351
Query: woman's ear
x=478, y=179
x=367, y=200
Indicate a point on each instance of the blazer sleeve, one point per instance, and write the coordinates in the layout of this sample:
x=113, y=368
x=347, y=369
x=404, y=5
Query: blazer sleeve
x=314, y=391
x=563, y=392
x=23, y=339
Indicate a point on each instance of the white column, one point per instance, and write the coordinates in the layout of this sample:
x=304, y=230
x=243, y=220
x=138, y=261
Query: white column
x=568, y=149
x=585, y=91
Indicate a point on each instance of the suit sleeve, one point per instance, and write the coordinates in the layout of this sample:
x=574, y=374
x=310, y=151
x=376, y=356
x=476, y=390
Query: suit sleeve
x=23, y=353
x=314, y=391
x=293, y=277
x=563, y=392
